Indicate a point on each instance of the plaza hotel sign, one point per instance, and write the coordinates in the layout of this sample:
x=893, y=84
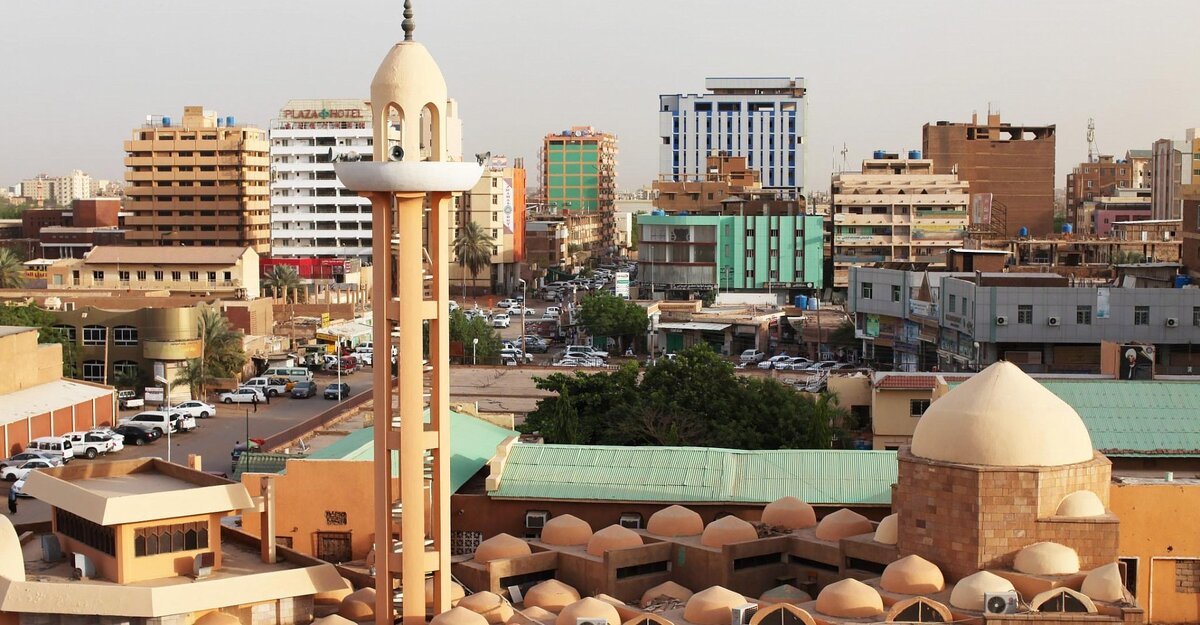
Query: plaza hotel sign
x=324, y=114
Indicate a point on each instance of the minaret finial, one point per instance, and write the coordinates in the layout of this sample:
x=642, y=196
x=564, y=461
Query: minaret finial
x=409, y=25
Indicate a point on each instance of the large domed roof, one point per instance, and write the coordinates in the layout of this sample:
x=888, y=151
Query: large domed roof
x=968, y=592
x=458, y=616
x=566, y=530
x=666, y=589
x=1104, y=583
x=1047, y=559
x=727, y=530
x=712, y=606
x=499, y=547
x=1002, y=417
x=588, y=607
x=551, y=595
x=789, y=512
x=849, y=598
x=842, y=524
x=675, y=521
x=489, y=605
x=912, y=575
x=1079, y=504
x=613, y=537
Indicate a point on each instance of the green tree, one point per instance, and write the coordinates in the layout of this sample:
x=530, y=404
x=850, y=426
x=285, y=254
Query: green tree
x=602, y=314
x=223, y=353
x=195, y=377
x=12, y=272
x=466, y=330
x=282, y=280
x=8, y=210
x=473, y=249
x=34, y=317
x=1127, y=257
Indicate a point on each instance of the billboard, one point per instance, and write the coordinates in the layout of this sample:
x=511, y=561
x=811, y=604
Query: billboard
x=1137, y=362
x=1102, y=303
x=981, y=209
x=508, y=206
x=621, y=279
x=938, y=232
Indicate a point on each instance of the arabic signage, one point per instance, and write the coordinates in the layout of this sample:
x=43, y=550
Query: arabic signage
x=981, y=208
x=621, y=278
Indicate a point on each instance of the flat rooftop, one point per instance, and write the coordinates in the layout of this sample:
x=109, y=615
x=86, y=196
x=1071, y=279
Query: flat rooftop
x=48, y=397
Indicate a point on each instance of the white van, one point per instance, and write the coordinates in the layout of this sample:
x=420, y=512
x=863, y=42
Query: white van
x=295, y=374
x=53, y=446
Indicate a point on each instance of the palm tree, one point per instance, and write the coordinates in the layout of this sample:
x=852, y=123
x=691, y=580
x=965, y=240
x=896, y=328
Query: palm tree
x=223, y=354
x=11, y=269
x=473, y=247
x=195, y=377
x=282, y=279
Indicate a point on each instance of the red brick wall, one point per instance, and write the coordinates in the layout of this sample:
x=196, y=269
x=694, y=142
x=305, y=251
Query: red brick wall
x=95, y=213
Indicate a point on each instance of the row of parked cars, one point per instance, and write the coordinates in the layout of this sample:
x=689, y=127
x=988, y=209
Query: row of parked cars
x=583, y=356
x=787, y=362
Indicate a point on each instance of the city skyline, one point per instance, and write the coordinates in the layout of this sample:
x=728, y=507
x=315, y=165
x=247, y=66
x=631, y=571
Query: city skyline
x=1035, y=64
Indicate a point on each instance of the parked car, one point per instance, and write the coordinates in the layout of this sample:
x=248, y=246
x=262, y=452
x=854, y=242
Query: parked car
x=243, y=395
x=585, y=351
x=304, y=390
x=535, y=347
x=794, y=363
x=153, y=420
x=295, y=374
x=506, y=303
x=824, y=365
x=128, y=400
x=337, y=391
x=89, y=445
x=197, y=409
x=552, y=311
x=111, y=433
x=501, y=320
x=18, y=488
x=182, y=422
x=53, y=446
x=136, y=435
x=12, y=474
x=517, y=354
x=454, y=306
x=516, y=309
x=752, y=355
x=844, y=366
x=16, y=460
x=364, y=359
x=771, y=362
x=269, y=386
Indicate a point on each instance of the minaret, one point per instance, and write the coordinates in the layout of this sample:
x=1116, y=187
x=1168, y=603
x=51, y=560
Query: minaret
x=411, y=169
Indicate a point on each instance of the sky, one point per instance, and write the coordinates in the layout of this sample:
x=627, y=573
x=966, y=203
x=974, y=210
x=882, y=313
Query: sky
x=79, y=75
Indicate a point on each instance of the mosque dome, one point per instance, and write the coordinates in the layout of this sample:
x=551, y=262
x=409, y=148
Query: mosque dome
x=785, y=594
x=1002, y=417
x=666, y=589
x=334, y=597
x=588, y=607
x=849, y=598
x=489, y=605
x=886, y=531
x=912, y=575
x=789, y=512
x=365, y=595
x=535, y=614
x=1047, y=559
x=499, y=547
x=613, y=537
x=1081, y=503
x=968, y=592
x=356, y=610
x=675, y=521
x=458, y=616
x=551, y=595
x=218, y=618
x=333, y=619
x=12, y=563
x=712, y=606
x=1104, y=583
x=456, y=593
x=566, y=530
x=726, y=530
x=841, y=524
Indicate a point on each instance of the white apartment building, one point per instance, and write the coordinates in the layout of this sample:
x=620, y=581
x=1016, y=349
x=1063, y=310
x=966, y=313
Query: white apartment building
x=312, y=214
x=762, y=119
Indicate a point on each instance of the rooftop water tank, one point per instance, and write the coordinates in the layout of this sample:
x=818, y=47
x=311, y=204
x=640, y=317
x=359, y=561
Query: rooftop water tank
x=220, y=122
x=658, y=212
x=880, y=153
x=914, y=154
x=229, y=121
x=166, y=121
x=1068, y=229
x=1023, y=232
x=1180, y=281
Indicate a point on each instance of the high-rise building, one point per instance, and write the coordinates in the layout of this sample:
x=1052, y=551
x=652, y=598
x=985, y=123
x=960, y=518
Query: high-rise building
x=895, y=210
x=497, y=204
x=1172, y=166
x=312, y=213
x=579, y=181
x=1091, y=180
x=38, y=190
x=1014, y=164
x=200, y=182
x=74, y=186
x=762, y=119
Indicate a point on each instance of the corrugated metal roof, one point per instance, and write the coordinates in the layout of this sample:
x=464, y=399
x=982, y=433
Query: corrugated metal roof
x=696, y=474
x=48, y=397
x=694, y=325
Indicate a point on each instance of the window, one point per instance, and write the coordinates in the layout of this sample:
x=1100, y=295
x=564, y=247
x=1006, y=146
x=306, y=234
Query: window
x=96, y=536
x=125, y=369
x=1083, y=315
x=953, y=303
x=93, y=371
x=867, y=288
x=69, y=332
x=176, y=276
x=1025, y=314
x=1196, y=315
x=212, y=276
x=895, y=292
x=98, y=276
x=94, y=335
x=917, y=407
x=194, y=276
x=1141, y=315
x=158, y=275
x=152, y=541
x=125, y=335
x=141, y=276
x=228, y=276
x=123, y=276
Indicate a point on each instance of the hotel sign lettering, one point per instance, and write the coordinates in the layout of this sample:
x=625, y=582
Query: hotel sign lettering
x=321, y=114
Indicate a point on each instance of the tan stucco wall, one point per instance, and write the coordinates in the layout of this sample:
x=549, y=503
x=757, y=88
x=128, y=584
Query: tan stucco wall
x=15, y=351
x=890, y=412
x=131, y=568
x=1151, y=531
x=851, y=390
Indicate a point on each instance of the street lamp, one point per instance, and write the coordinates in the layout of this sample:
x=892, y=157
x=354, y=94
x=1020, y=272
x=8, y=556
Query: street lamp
x=474, y=348
x=167, y=404
x=976, y=344
x=524, y=305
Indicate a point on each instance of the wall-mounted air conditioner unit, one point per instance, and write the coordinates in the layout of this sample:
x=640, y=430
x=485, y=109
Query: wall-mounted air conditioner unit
x=1172, y=322
x=741, y=614
x=1000, y=602
x=202, y=564
x=1001, y=320
x=536, y=520
x=631, y=520
x=1053, y=321
x=84, y=567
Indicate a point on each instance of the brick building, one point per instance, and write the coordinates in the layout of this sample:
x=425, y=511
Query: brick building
x=1090, y=180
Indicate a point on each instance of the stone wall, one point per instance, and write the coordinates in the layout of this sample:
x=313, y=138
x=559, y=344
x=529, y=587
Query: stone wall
x=286, y=611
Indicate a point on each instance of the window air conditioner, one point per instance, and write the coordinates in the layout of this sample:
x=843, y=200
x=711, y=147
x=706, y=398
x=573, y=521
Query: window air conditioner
x=1172, y=322
x=1001, y=320
x=1053, y=321
x=536, y=520
x=631, y=520
x=1000, y=602
x=741, y=614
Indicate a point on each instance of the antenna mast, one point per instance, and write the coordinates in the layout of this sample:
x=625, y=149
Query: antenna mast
x=1093, y=151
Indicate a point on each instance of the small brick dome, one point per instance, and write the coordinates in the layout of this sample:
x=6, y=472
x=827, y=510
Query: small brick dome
x=712, y=606
x=566, y=530
x=332, y=619
x=499, y=547
x=726, y=530
x=784, y=594
x=1104, y=583
x=356, y=610
x=912, y=575
x=588, y=607
x=218, y=618
x=666, y=589
x=613, y=537
x=968, y=592
x=1081, y=503
x=849, y=598
x=675, y=521
x=334, y=597
x=789, y=512
x=456, y=593
x=887, y=530
x=841, y=524
x=458, y=616
x=551, y=595
x=535, y=614
x=489, y=605
x=1047, y=559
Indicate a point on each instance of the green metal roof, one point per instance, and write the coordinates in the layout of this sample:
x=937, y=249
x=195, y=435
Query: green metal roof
x=256, y=462
x=697, y=475
x=1135, y=418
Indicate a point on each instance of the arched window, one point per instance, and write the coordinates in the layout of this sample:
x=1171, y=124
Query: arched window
x=68, y=332
x=125, y=335
x=918, y=610
x=1063, y=600
x=782, y=614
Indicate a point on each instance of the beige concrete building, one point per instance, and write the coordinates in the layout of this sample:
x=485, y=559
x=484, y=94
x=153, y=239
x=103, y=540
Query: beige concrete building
x=201, y=270
x=74, y=186
x=895, y=210
x=203, y=182
x=497, y=204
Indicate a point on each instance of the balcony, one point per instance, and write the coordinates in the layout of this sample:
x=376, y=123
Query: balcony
x=845, y=258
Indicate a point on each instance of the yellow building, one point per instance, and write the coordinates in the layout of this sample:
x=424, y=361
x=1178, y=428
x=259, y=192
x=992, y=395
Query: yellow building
x=202, y=270
x=200, y=183
x=497, y=204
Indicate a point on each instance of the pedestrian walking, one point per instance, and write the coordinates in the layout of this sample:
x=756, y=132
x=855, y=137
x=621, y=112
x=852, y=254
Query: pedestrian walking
x=267, y=394
x=12, y=500
x=254, y=400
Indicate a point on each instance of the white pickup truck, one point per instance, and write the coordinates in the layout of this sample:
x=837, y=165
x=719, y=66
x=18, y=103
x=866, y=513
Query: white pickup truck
x=129, y=400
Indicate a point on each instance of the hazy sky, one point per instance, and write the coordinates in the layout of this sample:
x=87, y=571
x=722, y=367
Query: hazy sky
x=78, y=75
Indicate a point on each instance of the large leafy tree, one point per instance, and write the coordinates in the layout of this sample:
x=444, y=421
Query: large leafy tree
x=467, y=330
x=608, y=315
x=282, y=280
x=34, y=317
x=12, y=272
x=473, y=249
x=223, y=353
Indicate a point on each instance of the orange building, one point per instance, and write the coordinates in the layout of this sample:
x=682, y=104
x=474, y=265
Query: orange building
x=1160, y=547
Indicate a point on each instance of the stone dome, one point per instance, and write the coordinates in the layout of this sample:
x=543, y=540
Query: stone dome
x=968, y=592
x=218, y=618
x=849, y=598
x=334, y=597
x=489, y=605
x=588, y=607
x=1047, y=559
x=356, y=610
x=726, y=530
x=613, y=537
x=784, y=594
x=665, y=589
x=551, y=595
x=456, y=593
x=887, y=530
x=12, y=563
x=712, y=606
x=566, y=530
x=841, y=524
x=333, y=619
x=789, y=512
x=1002, y=417
x=1104, y=583
x=458, y=616
x=365, y=595
x=1081, y=503
x=675, y=521
x=912, y=575
x=499, y=547
x=529, y=615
